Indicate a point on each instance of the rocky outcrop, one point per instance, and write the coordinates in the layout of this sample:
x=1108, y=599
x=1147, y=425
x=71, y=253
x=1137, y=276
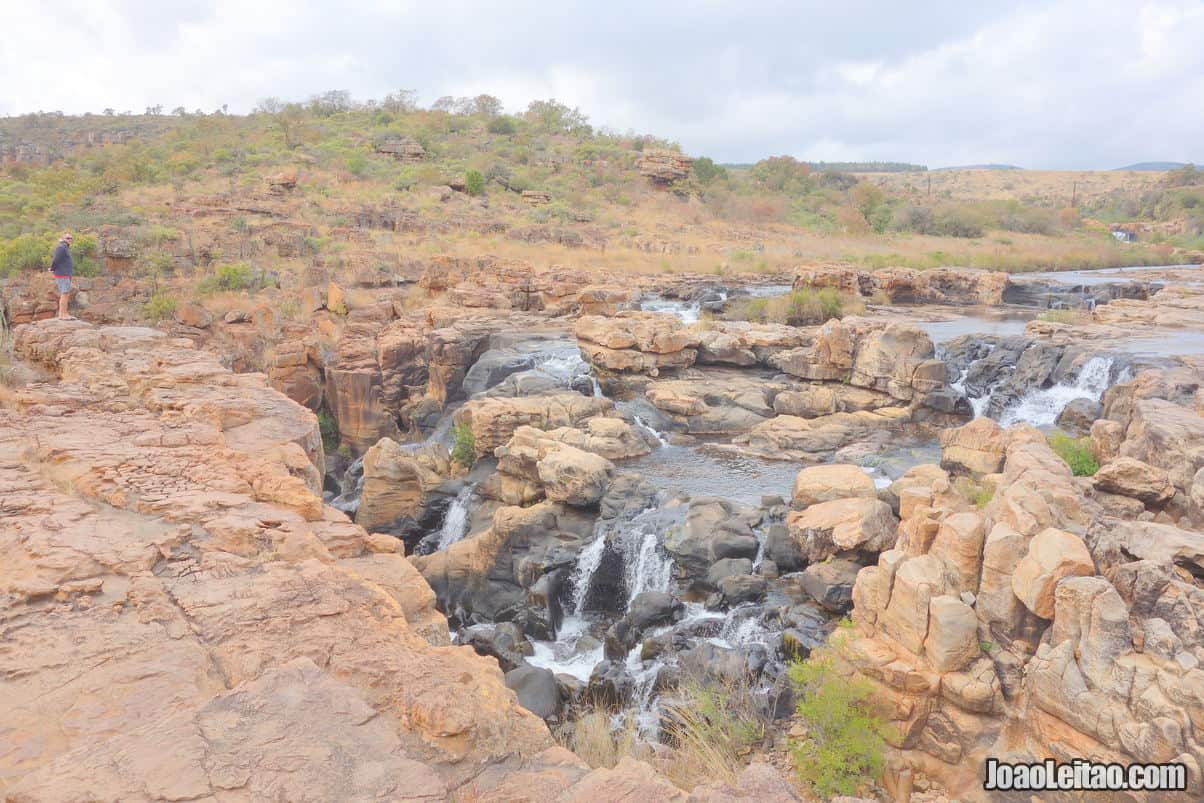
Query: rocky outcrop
x=817, y=484
x=166, y=558
x=665, y=167
x=908, y=286
x=533, y=466
x=636, y=342
x=493, y=421
x=1035, y=626
x=849, y=525
x=398, y=484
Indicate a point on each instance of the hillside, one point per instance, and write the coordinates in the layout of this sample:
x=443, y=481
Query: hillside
x=336, y=185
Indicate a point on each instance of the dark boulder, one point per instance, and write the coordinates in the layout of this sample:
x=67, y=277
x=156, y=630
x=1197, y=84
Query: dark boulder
x=536, y=688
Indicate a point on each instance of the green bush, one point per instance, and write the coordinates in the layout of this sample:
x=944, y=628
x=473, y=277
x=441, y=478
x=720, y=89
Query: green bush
x=161, y=306
x=27, y=252
x=1076, y=452
x=503, y=126
x=844, y=743
x=806, y=306
x=474, y=182
x=230, y=277
x=329, y=429
x=464, y=445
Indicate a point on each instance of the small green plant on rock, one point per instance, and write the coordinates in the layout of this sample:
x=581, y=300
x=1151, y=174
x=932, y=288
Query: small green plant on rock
x=1076, y=452
x=474, y=182
x=160, y=307
x=979, y=492
x=329, y=429
x=844, y=742
x=464, y=446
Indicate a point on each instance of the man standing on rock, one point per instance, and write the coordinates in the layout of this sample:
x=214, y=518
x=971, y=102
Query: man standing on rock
x=63, y=268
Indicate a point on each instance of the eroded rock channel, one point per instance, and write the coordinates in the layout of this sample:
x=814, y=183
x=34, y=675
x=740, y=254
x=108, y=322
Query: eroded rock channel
x=540, y=509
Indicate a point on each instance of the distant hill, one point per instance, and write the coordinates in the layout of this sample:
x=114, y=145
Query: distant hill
x=981, y=167
x=848, y=167
x=1153, y=166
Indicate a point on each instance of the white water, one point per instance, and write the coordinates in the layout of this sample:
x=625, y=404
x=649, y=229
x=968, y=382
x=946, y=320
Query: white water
x=583, y=573
x=1042, y=407
x=455, y=521
x=646, y=566
x=642, y=424
x=352, y=487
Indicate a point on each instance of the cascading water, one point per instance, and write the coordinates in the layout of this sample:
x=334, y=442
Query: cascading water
x=455, y=521
x=1041, y=407
x=646, y=566
x=352, y=485
x=583, y=573
x=644, y=425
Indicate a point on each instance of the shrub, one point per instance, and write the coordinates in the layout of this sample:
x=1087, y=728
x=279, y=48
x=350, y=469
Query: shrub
x=464, y=445
x=26, y=252
x=474, y=182
x=161, y=306
x=806, y=306
x=1071, y=316
x=503, y=126
x=1076, y=452
x=230, y=277
x=979, y=493
x=844, y=744
x=329, y=429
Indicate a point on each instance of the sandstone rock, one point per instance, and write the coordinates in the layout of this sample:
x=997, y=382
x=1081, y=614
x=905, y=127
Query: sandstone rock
x=977, y=447
x=1167, y=436
x=397, y=483
x=904, y=285
x=552, y=469
x=1052, y=556
x=193, y=315
x=665, y=167
x=630, y=781
x=759, y=782
x=1129, y=477
x=827, y=528
x=494, y=421
x=952, y=640
x=816, y=484
x=638, y=342
x=612, y=438
x=788, y=437
x=959, y=543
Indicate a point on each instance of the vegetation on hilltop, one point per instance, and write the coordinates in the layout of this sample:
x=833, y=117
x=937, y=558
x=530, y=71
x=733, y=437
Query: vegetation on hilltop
x=587, y=203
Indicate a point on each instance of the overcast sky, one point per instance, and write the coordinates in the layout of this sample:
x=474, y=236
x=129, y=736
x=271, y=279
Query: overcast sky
x=1061, y=83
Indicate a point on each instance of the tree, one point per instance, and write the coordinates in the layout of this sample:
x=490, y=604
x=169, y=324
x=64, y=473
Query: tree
x=290, y=122
x=110, y=111
x=179, y=111
x=707, y=171
x=503, y=125
x=268, y=106
x=400, y=102
x=487, y=105
x=554, y=117
x=331, y=102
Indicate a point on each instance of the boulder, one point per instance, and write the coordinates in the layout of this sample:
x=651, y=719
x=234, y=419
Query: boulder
x=397, y=483
x=193, y=315
x=1052, y=556
x=831, y=583
x=842, y=525
x=816, y=484
x=503, y=640
x=738, y=588
x=493, y=421
x=1078, y=416
x=728, y=567
x=536, y=689
x=976, y=448
x=1129, y=477
x=533, y=465
x=651, y=608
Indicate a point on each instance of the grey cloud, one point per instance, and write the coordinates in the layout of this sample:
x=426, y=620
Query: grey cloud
x=1070, y=83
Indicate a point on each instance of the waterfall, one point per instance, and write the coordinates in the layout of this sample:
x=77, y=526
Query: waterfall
x=455, y=521
x=642, y=424
x=1041, y=407
x=645, y=566
x=583, y=573
x=593, y=380
x=352, y=486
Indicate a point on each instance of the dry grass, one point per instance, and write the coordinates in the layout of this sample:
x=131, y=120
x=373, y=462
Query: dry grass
x=712, y=728
x=594, y=737
x=1048, y=186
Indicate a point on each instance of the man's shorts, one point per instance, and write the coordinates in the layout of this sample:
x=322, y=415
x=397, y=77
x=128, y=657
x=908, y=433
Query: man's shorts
x=63, y=283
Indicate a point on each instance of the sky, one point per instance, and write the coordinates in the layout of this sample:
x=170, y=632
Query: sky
x=1071, y=84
